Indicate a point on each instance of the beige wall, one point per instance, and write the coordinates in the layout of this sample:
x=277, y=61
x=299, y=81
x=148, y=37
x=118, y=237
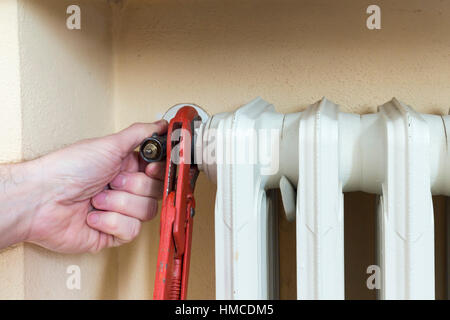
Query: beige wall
x=11, y=259
x=134, y=59
x=220, y=54
x=62, y=93
x=10, y=112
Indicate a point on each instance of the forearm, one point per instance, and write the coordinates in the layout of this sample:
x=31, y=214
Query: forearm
x=20, y=197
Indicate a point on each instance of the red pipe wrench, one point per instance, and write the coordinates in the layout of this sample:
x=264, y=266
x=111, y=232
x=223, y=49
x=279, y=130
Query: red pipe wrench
x=178, y=206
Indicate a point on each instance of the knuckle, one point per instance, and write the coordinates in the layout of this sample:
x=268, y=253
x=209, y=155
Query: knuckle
x=137, y=128
x=112, y=222
x=140, y=185
x=122, y=202
x=135, y=229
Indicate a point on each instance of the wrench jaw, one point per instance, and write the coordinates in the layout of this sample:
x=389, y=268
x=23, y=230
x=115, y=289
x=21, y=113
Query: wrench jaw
x=172, y=111
x=153, y=149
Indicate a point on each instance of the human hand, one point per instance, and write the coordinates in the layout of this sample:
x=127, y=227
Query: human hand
x=93, y=194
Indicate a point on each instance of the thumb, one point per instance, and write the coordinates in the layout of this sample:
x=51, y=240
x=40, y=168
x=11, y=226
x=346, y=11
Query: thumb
x=130, y=138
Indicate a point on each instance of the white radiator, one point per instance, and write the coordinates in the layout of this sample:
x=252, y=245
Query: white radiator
x=313, y=157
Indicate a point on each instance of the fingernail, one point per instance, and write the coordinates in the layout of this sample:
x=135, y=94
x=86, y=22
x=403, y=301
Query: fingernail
x=119, y=181
x=93, y=218
x=100, y=198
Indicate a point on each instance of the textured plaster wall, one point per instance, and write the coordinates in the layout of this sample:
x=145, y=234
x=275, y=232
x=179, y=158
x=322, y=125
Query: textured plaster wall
x=11, y=259
x=220, y=54
x=10, y=113
x=133, y=59
x=64, y=95
x=66, y=75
